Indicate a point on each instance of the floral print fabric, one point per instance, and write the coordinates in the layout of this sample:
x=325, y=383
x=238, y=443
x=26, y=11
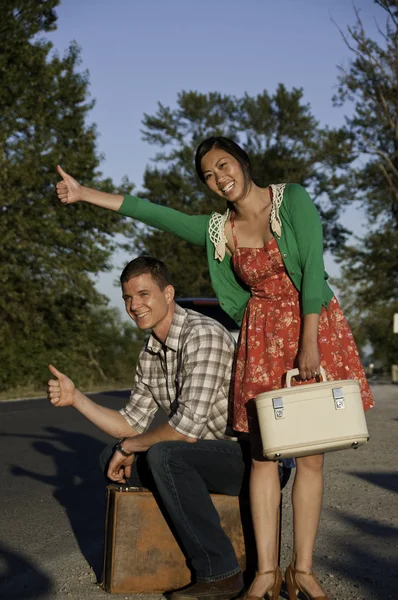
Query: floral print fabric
x=268, y=341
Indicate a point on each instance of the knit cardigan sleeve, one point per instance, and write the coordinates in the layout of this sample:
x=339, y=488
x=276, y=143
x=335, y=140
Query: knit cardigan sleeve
x=191, y=228
x=307, y=228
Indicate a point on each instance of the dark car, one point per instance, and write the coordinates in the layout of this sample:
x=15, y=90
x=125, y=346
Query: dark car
x=211, y=308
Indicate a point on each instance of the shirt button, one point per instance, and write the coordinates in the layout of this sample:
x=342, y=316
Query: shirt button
x=222, y=303
x=291, y=272
x=285, y=255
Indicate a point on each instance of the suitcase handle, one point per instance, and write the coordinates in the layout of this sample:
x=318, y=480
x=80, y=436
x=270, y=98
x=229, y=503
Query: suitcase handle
x=294, y=372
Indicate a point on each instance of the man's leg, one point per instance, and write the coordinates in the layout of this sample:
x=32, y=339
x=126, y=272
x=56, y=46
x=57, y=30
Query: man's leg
x=184, y=474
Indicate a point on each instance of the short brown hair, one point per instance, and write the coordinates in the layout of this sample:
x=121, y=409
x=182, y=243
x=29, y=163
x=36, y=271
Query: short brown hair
x=146, y=264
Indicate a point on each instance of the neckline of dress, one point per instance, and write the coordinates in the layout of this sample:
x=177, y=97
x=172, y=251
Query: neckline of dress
x=237, y=247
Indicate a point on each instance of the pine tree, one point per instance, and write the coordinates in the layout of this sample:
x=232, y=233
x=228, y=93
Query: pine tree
x=369, y=280
x=48, y=255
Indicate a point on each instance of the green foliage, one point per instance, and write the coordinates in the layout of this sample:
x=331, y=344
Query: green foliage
x=49, y=305
x=370, y=268
x=284, y=141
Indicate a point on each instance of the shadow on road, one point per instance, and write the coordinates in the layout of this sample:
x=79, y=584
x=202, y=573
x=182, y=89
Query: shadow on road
x=26, y=579
x=387, y=481
x=79, y=486
x=371, y=568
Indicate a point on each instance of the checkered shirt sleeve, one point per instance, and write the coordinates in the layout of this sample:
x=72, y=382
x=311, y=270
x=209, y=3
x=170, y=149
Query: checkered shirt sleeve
x=141, y=407
x=203, y=384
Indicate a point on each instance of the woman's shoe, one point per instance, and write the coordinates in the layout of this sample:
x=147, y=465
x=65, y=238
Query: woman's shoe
x=293, y=587
x=271, y=594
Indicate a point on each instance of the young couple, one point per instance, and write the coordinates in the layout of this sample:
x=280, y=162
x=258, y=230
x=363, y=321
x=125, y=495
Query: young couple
x=265, y=258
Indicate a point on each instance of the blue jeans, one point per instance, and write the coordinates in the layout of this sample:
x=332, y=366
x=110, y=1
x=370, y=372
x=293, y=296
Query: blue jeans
x=183, y=474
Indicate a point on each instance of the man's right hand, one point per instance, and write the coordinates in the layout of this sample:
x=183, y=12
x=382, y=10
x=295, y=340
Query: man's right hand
x=60, y=391
x=68, y=190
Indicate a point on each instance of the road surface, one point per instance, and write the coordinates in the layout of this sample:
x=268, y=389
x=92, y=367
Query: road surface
x=52, y=506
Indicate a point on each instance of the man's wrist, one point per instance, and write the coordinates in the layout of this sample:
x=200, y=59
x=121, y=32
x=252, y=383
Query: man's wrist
x=119, y=447
x=77, y=398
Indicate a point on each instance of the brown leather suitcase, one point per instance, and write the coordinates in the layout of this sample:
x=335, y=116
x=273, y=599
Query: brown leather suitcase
x=141, y=554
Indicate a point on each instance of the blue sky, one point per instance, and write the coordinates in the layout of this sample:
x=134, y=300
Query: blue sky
x=139, y=53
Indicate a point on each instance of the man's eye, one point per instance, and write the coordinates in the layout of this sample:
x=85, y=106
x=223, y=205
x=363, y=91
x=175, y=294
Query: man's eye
x=222, y=165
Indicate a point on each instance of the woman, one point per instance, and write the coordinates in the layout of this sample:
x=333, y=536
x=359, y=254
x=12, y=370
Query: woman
x=265, y=257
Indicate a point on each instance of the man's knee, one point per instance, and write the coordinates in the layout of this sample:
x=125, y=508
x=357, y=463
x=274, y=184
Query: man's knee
x=162, y=454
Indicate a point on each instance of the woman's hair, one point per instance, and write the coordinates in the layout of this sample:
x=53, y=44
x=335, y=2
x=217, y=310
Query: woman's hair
x=230, y=147
x=146, y=264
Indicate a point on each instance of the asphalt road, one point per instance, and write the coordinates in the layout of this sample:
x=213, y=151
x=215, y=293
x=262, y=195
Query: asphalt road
x=52, y=506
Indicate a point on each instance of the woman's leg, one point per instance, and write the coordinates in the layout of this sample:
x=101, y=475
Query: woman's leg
x=264, y=501
x=307, y=496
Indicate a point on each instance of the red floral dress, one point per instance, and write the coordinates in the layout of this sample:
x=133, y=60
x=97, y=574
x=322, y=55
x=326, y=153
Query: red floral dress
x=268, y=341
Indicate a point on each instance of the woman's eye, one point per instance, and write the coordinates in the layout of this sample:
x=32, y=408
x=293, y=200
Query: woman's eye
x=207, y=176
x=222, y=165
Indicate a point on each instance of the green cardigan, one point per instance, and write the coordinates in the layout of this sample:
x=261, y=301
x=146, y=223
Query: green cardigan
x=300, y=244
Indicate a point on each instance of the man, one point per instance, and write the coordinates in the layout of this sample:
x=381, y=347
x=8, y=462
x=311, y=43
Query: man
x=184, y=369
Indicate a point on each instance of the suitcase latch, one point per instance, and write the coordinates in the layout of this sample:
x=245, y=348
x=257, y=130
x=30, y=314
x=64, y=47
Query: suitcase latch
x=277, y=404
x=338, y=397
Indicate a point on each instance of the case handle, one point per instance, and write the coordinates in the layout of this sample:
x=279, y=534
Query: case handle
x=294, y=372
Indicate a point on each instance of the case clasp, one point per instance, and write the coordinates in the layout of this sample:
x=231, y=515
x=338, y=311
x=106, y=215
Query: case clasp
x=338, y=397
x=277, y=404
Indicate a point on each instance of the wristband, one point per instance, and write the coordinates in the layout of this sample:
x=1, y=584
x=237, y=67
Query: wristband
x=120, y=448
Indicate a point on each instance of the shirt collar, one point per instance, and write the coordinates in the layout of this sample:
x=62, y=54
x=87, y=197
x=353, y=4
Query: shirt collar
x=154, y=345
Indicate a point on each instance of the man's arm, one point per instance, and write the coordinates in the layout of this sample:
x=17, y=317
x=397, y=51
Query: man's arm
x=62, y=392
x=120, y=466
x=162, y=433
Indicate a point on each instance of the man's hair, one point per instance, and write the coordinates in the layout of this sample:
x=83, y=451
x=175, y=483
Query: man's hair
x=147, y=264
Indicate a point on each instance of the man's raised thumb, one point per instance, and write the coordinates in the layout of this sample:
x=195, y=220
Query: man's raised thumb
x=55, y=371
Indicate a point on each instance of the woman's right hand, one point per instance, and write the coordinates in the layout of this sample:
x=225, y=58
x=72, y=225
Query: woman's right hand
x=68, y=190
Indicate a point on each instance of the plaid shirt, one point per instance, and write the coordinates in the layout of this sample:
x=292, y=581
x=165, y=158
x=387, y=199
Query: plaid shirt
x=188, y=377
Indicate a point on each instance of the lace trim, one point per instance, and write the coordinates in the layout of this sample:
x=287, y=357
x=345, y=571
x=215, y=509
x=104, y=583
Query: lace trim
x=217, y=222
x=217, y=233
x=277, y=199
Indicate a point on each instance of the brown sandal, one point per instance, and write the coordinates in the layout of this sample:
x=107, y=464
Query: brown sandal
x=293, y=588
x=273, y=593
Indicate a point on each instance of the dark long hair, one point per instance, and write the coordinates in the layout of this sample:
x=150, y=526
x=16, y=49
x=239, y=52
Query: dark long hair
x=228, y=146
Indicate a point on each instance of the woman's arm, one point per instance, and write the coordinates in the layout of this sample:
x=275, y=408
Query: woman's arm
x=308, y=233
x=70, y=191
x=307, y=228
x=308, y=357
x=191, y=228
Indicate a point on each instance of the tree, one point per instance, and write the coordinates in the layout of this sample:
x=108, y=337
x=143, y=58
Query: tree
x=370, y=268
x=48, y=255
x=285, y=143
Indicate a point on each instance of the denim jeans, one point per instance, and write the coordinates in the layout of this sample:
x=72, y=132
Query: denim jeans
x=183, y=474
